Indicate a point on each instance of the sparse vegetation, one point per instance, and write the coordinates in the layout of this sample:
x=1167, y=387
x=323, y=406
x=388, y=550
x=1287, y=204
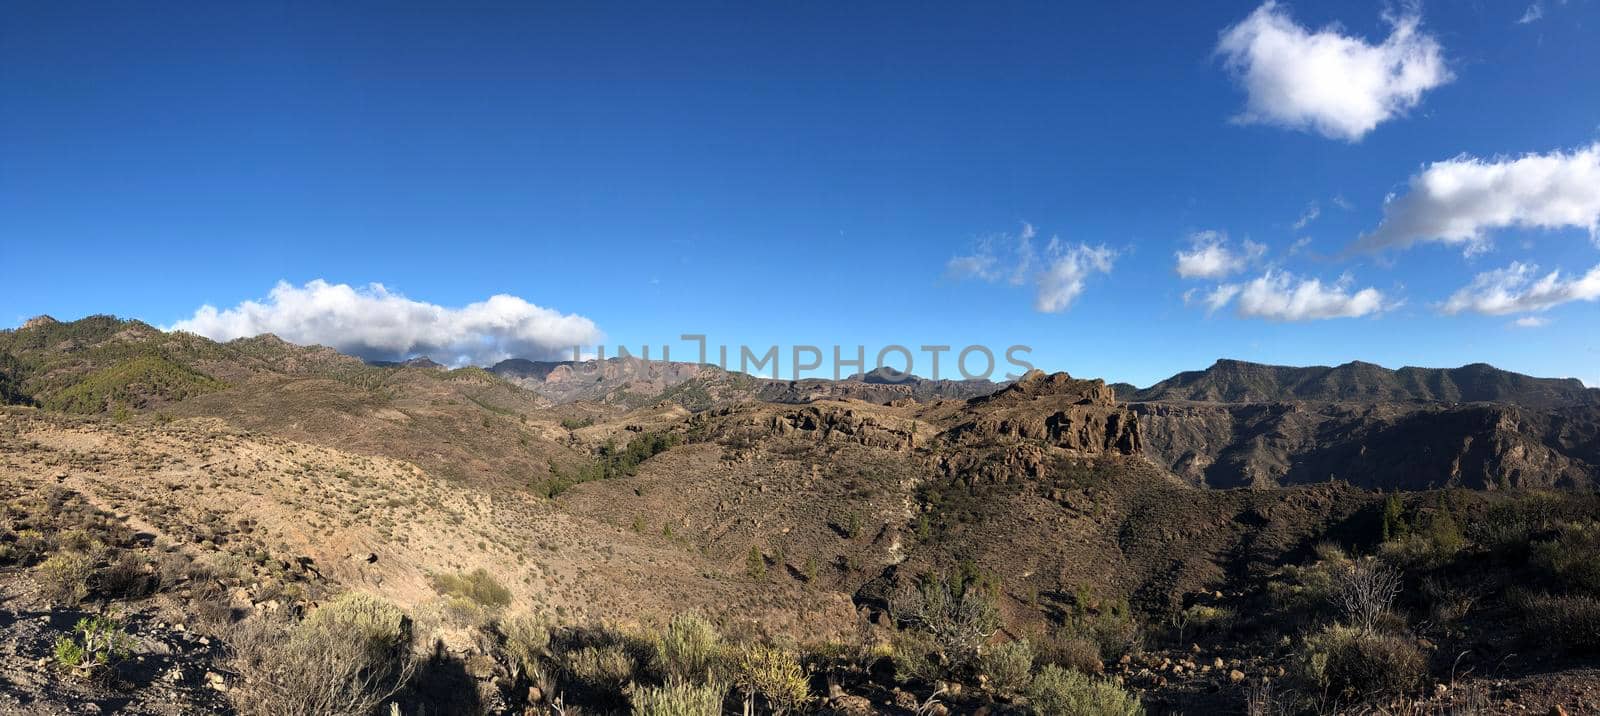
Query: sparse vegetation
x=1059, y=692
x=94, y=646
x=344, y=659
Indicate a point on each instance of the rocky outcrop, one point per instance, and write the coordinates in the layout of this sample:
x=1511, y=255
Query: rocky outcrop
x=1082, y=416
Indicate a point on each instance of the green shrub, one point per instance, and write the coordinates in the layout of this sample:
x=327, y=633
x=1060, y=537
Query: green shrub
x=1058, y=692
x=755, y=565
x=688, y=650
x=96, y=643
x=1351, y=665
x=478, y=586
x=1072, y=652
x=916, y=656
x=677, y=699
x=1573, y=557
x=775, y=675
x=1115, y=631
x=1009, y=666
x=1571, y=622
x=64, y=577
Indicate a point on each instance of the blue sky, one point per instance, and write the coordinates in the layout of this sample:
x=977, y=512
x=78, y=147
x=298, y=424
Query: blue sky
x=819, y=173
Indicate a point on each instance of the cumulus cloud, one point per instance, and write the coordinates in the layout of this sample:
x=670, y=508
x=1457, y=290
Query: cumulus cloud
x=1325, y=81
x=376, y=323
x=1460, y=200
x=1215, y=299
x=1532, y=14
x=1280, y=296
x=1211, y=256
x=1067, y=267
x=1519, y=289
x=1531, y=322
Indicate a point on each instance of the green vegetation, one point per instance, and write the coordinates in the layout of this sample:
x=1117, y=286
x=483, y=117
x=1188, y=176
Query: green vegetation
x=677, y=699
x=95, y=644
x=610, y=463
x=133, y=383
x=773, y=675
x=1009, y=666
x=576, y=423
x=1059, y=692
x=689, y=650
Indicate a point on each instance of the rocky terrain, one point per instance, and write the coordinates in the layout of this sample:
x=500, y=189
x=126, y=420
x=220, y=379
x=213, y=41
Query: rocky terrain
x=548, y=534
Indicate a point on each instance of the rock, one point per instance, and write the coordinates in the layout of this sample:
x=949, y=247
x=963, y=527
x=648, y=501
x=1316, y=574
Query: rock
x=1236, y=676
x=1217, y=663
x=1558, y=710
x=535, y=695
x=216, y=682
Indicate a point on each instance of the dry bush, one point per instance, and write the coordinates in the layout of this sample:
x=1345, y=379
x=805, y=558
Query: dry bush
x=603, y=669
x=1572, y=557
x=1351, y=665
x=916, y=656
x=1571, y=622
x=1009, y=666
x=775, y=675
x=127, y=578
x=1364, y=593
x=345, y=659
x=677, y=699
x=478, y=586
x=1058, y=692
x=689, y=650
x=64, y=577
x=1072, y=652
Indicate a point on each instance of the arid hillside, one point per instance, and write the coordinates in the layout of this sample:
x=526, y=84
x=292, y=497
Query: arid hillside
x=882, y=547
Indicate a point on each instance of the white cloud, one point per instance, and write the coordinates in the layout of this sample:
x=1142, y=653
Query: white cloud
x=1531, y=322
x=1519, y=289
x=1458, y=201
x=1215, y=299
x=1532, y=14
x=1279, y=296
x=1324, y=81
x=375, y=323
x=1210, y=256
x=1312, y=212
x=1067, y=267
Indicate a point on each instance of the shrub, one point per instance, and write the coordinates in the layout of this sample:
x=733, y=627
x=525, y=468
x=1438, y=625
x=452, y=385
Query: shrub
x=525, y=642
x=1114, y=631
x=755, y=565
x=345, y=659
x=127, y=577
x=96, y=643
x=1073, y=652
x=688, y=650
x=1009, y=666
x=30, y=547
x=916, y=656
x=1364, y=592
x=1571, y=622
x=604, y=669
x=959, y=612
x=478, y=586
x=1059, y=692
x=775, y=675
x=677, y=699
x=1573, y=557
x=64, y=577
x=1349, y=664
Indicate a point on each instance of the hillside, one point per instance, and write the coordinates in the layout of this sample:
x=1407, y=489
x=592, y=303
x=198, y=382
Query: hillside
x=247, y=485
x=1231, y=381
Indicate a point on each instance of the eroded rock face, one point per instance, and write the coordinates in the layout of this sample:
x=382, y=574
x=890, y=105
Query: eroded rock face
x=1081, y=416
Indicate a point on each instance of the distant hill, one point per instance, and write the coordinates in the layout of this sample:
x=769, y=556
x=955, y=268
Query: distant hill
x=1232, y=381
